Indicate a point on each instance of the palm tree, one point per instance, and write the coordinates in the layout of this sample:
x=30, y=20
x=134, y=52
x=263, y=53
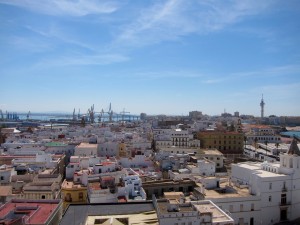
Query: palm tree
x=245, y=141
x=266, y=143
x=277, y=145
x=255, y=143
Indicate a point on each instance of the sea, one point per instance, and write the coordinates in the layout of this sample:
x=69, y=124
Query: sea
x=291, y=133
x=61, y=117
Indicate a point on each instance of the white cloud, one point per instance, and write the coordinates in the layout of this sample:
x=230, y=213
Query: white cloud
x=65, y=7
x=29, y=44
x=82, y=60
x=267, y=72
x=213, y=81
x=271, y=71
x=55, y=33
x=166, y=74
x=174, y=18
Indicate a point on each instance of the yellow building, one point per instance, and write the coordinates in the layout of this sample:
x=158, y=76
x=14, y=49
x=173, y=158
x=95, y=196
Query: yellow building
x=73, y=193
x=226, y=142
x=122, y=150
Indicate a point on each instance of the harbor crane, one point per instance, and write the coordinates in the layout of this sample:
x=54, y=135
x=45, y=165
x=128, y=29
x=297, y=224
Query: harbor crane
x=74, y=115
x=28, y=115
x=78, y=115
x=100, y=115
x=91, y=114
x=123, y=114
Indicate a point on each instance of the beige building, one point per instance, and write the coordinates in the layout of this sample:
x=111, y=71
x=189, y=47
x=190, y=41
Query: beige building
x=86, y=149
x=44, y=186
x=159, y=187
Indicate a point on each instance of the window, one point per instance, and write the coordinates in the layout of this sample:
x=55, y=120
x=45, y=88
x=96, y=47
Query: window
x=68, y=197
x=241, y=207
x=270, y=186
x=43, y=197
x=252, y=206
x=283, y=214
x=2, y=178
x=241, y=220
x=270, y=198
x=283, y=199
x=80, y=196
x=231, y=208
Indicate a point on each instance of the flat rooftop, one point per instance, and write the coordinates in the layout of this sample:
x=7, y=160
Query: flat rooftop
x=82, y=213
x=149, y=217
x=39, y=211
x=94, y=186
x=261, y=172
x=212, y=152
x=70, y=185
x=203, y=207
x=217, y=214
x=185, y=207
x=226, y=191
x=87, y=145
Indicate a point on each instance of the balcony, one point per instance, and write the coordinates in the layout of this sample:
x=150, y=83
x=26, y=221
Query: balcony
x=284, y=203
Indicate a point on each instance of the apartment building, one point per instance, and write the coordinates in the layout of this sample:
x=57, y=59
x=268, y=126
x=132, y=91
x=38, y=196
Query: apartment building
x=224, y=141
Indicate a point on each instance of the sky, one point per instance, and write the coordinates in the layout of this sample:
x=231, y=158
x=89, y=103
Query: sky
x=153, y=56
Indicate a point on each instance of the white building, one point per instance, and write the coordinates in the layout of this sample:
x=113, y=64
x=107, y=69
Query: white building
x=179, y=212
x=103, y=191
x=174, y=137
x=108, y=148
x=132, y=188
x=276, y=184
x=6, y=172
x=262, y=134
x=136, y=161
x=203, y=167
x=213, y=155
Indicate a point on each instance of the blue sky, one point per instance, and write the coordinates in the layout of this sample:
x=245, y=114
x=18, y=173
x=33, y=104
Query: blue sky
x=158, y=57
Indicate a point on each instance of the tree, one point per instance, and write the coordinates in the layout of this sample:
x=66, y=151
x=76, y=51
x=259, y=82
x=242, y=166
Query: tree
x=266, y=143
x=255, y=143
x=245, y=141
x=82, y=122
x=277, y=145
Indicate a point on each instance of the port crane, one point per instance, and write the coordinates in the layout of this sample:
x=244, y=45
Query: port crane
x=100, y=115
x=28, y=115
x=123, y=114
x=74, y=115
x=91, y=114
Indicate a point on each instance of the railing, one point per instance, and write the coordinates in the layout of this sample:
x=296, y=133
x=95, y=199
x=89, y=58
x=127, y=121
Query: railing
x=283, y=203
